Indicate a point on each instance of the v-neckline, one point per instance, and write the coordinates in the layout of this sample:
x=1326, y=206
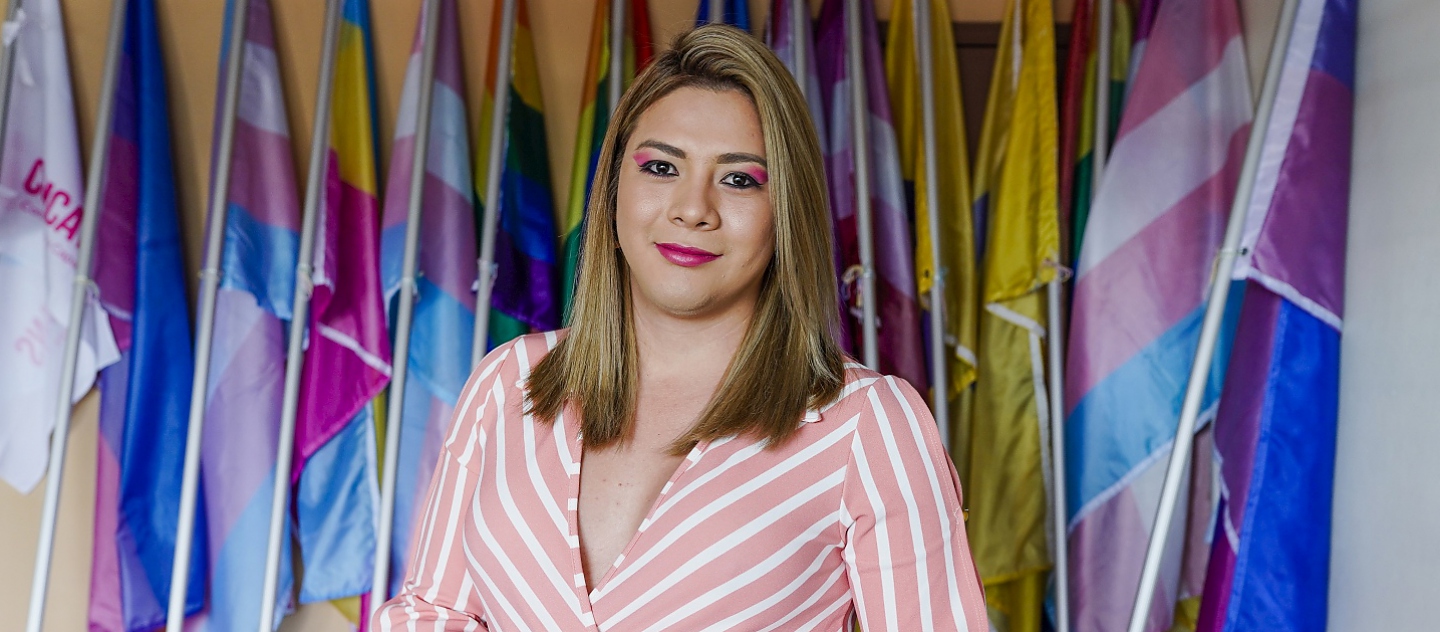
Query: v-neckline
x=577, y=454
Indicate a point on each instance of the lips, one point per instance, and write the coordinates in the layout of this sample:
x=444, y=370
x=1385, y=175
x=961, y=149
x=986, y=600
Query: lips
x=685, y=256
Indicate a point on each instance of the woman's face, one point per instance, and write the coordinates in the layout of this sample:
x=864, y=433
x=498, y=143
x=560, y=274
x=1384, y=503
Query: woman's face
x=694, y=216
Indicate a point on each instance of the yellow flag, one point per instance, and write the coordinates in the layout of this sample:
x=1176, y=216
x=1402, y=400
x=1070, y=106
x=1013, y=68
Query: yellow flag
x=1016, y=189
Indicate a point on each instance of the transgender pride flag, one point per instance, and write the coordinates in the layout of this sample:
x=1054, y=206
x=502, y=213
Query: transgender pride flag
x=145, y=398
x=1143, y=274
x=901, y=351
x=347, y=362
x=247, y=367
x=444, y=318
x=1275, y=433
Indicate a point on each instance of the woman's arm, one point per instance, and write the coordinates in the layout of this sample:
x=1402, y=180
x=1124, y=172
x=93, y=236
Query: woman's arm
x=906, y=553
x=439, y=593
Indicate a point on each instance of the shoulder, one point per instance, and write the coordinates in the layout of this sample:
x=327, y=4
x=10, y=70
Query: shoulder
x=502, y=372
x=865, y=389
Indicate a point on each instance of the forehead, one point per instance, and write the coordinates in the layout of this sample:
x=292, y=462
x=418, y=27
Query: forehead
x=702, y=120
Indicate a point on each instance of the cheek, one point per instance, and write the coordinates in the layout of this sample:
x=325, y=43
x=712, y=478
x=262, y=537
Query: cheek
x=754, y=231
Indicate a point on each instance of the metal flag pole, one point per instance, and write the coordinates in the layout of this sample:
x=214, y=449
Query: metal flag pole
x=939, y=394
x=405, y=307
x=717, y=12
x=615, y=86
x=860, y=147
x=495, y=155
x=79, y=295
x=1214, y=315
x=205, y=332
x=799, y=30
x=1106, y=27
x=7, y=65
x=300, y=315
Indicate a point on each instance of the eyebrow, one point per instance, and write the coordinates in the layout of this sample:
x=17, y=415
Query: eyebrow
x=724, y=159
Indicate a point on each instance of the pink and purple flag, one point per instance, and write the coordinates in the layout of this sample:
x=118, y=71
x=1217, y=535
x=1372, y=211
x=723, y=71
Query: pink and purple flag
x=145, y=397
x=1275, y=432
x=1142, y=278
x=347, y=362
x=444, y=317
x=900, y=336
x=247, y=366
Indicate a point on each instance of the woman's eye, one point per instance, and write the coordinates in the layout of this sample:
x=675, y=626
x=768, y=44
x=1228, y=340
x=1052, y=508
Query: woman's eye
x=739, y=181
x=659, y=168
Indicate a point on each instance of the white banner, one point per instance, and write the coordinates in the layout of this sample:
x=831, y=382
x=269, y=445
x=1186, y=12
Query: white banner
x=41, y=193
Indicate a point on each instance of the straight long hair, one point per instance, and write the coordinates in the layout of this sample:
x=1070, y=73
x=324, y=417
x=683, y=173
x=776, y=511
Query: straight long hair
x=788, y=361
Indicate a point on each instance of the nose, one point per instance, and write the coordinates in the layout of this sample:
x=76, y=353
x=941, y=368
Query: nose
x=695, y=204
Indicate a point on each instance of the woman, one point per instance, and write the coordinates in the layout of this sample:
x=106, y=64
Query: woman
x=695, y=453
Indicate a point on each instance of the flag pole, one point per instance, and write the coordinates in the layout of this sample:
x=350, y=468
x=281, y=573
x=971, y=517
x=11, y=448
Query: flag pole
x=860, y=129
x=799, y=29
x=496, y=162
x=405, y=306
x=1055, y=317
x=205, y=334
x=79, y=295
x=616, y=84
x=7, y=65
x=939, y=394
x=304, y=287
x=717, y=12
x=1214, y=315
x=1103, y=48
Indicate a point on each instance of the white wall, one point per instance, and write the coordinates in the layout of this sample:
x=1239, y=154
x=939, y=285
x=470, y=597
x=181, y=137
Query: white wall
x=1386, y=545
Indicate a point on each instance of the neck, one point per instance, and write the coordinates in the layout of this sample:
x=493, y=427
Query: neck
x=692, y=348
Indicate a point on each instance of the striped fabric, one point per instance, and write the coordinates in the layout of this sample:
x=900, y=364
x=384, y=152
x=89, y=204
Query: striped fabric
x=247, y=366
x=594, y=121
x=1275, y=432
x=858, y=516
x=1016, y=187
x=526, y=294
x=444, y=318
x=347, y=362
x=898, y=310
x=145, y=398
x=1157, y=223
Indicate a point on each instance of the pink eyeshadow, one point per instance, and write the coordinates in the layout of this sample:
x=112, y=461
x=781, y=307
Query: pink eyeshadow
x=757, y=173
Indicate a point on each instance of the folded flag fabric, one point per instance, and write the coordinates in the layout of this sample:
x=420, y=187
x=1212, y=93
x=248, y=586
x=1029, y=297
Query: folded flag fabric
x=1275, y=431
x=1142, y=277
x=952, y=167
x=444, y=318
x=247, y=365
x=145, y=397
x=41, y=192
x=898, y=310
x=526, y=269
x=736, y=13
x=347, y=361
x=595, y=120
x=1016, y=185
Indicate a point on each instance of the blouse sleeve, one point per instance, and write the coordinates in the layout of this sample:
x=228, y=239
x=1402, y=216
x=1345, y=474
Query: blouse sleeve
x=906, y=553
x=439, y=593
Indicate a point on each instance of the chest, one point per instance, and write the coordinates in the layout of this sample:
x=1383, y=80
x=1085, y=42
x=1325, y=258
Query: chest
x=731, y=525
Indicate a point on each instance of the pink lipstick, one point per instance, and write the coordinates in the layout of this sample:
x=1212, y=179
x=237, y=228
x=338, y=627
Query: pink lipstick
x=685, y=256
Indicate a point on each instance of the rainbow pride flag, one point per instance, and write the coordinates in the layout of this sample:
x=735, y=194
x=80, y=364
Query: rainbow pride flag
x=1142, y=277
x=144, y=398
x=736, y=13
x=247, y=366
x=1016, y=186
x=595, y=120
x=444, y=317
x=1275, y=431
x=347, y=362
x=901, y=343
x=527, y=294
x=1077, y=111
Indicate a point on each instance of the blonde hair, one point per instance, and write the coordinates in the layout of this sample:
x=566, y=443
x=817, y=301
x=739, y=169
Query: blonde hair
x=788, y=361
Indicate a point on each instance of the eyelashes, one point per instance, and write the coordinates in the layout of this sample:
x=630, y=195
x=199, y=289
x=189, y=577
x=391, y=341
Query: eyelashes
x=734, y=179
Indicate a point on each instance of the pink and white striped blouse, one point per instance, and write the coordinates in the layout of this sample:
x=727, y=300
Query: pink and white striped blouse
x=859, y=515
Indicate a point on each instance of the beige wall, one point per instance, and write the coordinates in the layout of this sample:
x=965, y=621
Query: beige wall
x=191, y=32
